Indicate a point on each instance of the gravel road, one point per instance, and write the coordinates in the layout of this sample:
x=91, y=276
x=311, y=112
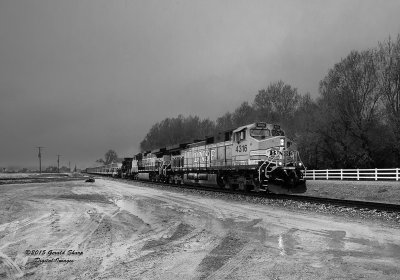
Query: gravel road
x=114, y=230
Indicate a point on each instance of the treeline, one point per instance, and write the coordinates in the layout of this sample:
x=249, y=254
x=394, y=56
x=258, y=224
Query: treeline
x=353, y=123
x=178, y=130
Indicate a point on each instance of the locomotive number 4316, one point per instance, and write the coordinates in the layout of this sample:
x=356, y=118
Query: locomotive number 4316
x=241, y=148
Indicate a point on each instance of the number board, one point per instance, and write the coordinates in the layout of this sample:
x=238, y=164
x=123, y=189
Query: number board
x=241, y=148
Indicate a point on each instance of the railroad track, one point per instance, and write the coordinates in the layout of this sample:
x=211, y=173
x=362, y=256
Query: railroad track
x=25, y=180
x=355, y=204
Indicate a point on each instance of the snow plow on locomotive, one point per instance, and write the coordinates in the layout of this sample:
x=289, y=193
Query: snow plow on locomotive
x=254, y=157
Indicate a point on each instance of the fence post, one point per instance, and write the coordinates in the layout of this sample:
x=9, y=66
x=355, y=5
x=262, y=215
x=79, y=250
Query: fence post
x=376, y=174
x=358, y=175
x=327, y=176
x=313, y=174
x=341, y=174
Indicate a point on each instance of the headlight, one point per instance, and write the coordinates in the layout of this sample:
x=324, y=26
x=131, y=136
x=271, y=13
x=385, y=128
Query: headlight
x=280, y=163
x=282, y=142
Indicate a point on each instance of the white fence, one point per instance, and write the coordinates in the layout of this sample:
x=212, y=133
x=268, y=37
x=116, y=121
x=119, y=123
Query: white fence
x=354, y=174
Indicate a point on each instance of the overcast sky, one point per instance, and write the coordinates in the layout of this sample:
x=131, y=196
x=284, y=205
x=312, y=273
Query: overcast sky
x=83, y=76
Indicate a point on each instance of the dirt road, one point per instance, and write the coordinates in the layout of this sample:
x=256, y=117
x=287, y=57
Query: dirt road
x=112, y=230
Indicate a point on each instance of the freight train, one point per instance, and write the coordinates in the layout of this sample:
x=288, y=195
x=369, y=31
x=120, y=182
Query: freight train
x=255, y=157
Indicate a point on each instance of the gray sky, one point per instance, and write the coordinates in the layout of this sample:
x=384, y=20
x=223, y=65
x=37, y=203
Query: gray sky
x=83, y=76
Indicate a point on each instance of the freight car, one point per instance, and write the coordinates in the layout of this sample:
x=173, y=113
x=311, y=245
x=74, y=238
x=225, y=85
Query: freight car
x=255, y=157
x=111, y=169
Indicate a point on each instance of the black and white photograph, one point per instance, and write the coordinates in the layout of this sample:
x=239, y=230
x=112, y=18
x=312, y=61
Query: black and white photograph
x=200, y=139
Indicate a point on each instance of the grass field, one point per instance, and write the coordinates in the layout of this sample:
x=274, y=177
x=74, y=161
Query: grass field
x=379, y=191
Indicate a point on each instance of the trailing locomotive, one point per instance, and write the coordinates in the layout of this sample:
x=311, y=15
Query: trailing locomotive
x=255, y=157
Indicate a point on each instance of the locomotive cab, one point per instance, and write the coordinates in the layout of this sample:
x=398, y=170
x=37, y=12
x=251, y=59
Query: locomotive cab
x=240, y=146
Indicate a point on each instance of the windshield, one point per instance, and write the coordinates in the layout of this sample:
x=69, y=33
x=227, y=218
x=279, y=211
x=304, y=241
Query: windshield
x=260, y=133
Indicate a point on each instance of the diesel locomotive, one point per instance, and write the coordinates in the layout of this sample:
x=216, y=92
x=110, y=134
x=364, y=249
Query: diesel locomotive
x=254, y=157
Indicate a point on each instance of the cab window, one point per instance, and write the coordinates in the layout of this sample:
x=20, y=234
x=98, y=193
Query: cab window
x=240, y=136
x=258, y=133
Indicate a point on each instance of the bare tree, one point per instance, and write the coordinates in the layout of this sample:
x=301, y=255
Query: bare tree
x=243, y=115
x=277, y=103
x=349, y=107
x=224, y=123
x=110, y=156
x=388, y=59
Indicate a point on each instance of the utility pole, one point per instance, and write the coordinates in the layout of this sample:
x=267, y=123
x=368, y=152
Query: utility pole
x=40, y=158
x=58, y=163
